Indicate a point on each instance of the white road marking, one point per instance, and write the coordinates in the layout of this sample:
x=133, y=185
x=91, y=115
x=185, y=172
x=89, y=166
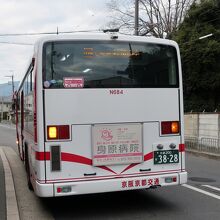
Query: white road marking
x=201, y=191
x=212, y=187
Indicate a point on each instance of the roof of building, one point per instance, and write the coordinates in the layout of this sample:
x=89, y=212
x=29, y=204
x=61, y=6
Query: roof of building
x=5, y=99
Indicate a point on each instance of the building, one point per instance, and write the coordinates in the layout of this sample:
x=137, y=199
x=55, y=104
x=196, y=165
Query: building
x=5, y=108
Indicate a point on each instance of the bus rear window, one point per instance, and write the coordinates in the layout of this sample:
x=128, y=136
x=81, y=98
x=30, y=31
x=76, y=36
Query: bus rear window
x=109, y=65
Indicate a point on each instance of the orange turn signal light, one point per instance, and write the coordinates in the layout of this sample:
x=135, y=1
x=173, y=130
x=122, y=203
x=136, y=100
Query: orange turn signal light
x=175, y=127
x=52, y=132
x=170, y=127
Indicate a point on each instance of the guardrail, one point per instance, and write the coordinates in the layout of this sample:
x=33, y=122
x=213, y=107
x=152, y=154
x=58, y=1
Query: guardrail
x=203, y=144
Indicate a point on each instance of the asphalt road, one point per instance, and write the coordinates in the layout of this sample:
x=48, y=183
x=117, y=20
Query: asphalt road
x=197, y=200
x=8, y=135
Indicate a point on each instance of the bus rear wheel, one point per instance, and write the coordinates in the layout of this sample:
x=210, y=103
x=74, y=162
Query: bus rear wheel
x=27, y=168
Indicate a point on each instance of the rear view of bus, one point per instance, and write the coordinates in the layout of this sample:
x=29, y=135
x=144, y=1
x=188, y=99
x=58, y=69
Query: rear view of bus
x=109, y=115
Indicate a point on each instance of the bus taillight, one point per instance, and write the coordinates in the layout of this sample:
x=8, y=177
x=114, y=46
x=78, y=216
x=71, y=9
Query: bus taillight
x=170, y=127
x=58, y=132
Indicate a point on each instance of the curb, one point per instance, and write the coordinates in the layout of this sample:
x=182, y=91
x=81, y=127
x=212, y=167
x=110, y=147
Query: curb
x=11, y=201
x=29, y=205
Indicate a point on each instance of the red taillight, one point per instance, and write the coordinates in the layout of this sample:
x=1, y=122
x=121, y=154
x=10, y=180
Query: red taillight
x=64, y=132
x=169, y=127
x=56, y=132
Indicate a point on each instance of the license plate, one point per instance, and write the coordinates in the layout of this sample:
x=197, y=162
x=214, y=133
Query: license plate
x=166, y=156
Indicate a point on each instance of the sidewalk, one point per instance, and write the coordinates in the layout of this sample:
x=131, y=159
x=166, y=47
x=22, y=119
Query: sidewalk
x=3, y=210
x=10, y=202
x=20, y=202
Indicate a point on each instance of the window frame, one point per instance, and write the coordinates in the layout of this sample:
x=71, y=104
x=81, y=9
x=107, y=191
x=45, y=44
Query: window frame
x=177, y=63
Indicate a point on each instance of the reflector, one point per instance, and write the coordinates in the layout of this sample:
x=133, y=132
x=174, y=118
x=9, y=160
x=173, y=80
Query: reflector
x=174, y=179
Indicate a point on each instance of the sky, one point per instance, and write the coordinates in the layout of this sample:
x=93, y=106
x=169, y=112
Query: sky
x=34, y=16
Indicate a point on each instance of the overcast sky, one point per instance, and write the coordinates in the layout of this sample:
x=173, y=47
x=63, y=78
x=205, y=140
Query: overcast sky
x=28, y=16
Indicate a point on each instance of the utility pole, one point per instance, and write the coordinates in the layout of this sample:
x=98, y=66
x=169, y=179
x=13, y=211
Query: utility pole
x=13, y=90
x=136, y=21
x=2, y=108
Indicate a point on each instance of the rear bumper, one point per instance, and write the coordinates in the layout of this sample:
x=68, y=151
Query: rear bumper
x=109, y=185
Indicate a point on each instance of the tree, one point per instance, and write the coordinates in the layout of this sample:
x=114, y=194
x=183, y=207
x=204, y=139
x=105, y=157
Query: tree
x=158, y=18
x=201, y=58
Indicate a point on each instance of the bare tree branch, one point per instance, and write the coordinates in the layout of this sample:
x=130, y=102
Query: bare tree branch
x=159, y=18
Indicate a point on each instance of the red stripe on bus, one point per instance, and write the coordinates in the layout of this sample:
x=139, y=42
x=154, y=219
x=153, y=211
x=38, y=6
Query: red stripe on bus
x=129, y=167
x=107, y=168
x=111, y=176
x=181, y=147
x=80, y=159
x=148, y=156
x=35, y=104
x=75, y=158
x=67, y=157
x=42, y=155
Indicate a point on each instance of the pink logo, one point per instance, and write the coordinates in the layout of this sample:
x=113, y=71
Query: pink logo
x=106, y=135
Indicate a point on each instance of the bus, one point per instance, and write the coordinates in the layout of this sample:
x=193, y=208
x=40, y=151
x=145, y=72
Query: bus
x=101, y=112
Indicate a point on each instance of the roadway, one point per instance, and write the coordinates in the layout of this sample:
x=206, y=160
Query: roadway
x=199, y=199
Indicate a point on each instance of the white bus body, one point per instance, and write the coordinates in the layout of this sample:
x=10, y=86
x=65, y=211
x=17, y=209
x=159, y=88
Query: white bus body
x=97, y=114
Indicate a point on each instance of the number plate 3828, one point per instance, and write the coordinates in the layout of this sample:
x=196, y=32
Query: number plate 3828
x=166, y=156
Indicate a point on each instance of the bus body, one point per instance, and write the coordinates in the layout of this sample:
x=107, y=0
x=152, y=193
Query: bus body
x=101, y=113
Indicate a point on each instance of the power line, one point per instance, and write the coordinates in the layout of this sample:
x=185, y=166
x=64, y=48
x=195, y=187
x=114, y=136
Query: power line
x=208, y=11
x=46, y=33
x=41, y=33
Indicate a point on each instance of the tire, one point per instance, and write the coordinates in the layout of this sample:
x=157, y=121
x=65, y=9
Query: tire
x=27, y=168
x=22, y=153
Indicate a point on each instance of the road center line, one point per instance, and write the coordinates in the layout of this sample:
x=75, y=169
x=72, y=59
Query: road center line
x=201, y=191
x=212, y=187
